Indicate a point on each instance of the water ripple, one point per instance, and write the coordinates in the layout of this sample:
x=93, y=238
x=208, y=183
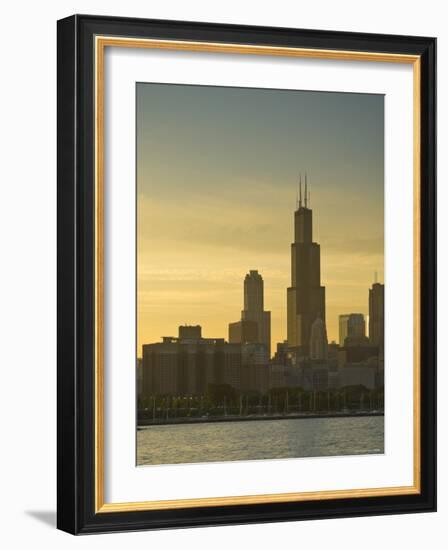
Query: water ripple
x=255, y=440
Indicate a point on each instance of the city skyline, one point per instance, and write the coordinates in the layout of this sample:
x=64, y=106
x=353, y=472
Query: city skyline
x=349, y=324
x=224, y=208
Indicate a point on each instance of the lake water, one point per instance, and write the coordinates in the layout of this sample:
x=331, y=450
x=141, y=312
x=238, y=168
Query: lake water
x=264, y=439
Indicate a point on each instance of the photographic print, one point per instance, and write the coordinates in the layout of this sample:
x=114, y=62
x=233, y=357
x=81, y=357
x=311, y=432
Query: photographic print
x=260, y=273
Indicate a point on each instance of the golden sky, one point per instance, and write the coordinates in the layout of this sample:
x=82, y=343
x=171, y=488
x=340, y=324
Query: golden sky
x=217, y=175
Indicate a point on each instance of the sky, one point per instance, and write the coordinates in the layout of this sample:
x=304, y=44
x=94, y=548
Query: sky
x=217, y=177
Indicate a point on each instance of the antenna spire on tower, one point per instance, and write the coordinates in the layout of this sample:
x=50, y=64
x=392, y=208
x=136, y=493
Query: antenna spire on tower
x=306, y=191
x=300, y=191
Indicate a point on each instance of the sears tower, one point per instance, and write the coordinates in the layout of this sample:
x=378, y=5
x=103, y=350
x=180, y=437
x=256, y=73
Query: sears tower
x=306, y=296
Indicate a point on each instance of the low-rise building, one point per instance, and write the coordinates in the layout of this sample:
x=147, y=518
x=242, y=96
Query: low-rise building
x=187, y=364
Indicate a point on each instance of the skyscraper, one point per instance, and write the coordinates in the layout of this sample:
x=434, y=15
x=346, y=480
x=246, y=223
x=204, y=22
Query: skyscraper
x=305, y=296
x=253, y=315
x=243, y=332
x=376, y=316
x=352, y=326
x=318, y=340
x=254, y=307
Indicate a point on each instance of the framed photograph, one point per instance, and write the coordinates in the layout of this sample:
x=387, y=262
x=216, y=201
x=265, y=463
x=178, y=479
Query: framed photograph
x=246, y=274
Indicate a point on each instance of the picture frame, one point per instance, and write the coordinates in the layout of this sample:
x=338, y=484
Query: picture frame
x=82, y=41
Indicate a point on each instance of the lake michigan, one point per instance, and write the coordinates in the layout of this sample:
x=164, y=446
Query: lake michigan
x=256, y=440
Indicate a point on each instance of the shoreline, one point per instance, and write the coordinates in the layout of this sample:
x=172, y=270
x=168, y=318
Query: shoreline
x=218, y=419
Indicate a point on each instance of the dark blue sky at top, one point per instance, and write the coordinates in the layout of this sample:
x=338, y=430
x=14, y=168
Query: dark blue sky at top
x=195, y=138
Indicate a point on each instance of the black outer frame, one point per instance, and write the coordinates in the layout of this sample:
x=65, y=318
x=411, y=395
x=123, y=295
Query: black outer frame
x=75, y=402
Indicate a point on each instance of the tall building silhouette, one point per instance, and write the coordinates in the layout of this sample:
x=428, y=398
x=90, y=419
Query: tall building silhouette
x=318, y=340
x=243, y=332
x=376, y=316
x=255, y=324
x=254, y=307
x=353, y=326
x=305, y=296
